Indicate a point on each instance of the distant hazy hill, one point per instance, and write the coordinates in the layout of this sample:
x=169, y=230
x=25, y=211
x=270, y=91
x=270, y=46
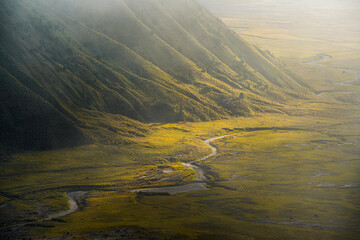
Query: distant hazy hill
x=70, y=68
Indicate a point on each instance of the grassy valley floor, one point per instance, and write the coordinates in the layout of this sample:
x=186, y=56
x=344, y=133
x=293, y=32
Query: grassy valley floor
x=276, y=176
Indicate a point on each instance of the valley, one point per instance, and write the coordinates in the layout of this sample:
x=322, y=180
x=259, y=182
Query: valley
x=249, y=138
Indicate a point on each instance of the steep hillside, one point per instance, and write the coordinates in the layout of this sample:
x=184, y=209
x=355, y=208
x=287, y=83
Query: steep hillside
x=75, y=66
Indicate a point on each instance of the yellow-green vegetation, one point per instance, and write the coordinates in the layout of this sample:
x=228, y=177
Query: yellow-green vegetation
x=293, y=175
x=300, y=182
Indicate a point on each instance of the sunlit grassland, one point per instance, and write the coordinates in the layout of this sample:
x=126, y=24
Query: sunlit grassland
x=165, y=146
x=266, y=184
x=259, y=180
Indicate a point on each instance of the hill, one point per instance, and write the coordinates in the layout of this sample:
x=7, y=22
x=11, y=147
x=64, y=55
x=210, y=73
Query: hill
x=78, y=71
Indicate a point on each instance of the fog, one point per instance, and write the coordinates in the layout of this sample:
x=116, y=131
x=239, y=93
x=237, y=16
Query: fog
x=284, y=7
x=295, y=4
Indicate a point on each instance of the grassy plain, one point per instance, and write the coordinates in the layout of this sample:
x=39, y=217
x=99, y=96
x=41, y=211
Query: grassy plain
x=265, y=184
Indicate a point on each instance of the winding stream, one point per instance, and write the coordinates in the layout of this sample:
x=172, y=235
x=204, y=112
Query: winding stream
x=73, y=205
x=198, y=184
x=349, y=82
x=200, y=180
x=324, y=57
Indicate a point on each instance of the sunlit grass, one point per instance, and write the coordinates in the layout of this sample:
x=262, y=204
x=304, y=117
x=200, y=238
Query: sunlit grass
x=257, y=177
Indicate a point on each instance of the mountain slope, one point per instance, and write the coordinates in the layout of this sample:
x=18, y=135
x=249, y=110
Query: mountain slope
x=150, y=61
